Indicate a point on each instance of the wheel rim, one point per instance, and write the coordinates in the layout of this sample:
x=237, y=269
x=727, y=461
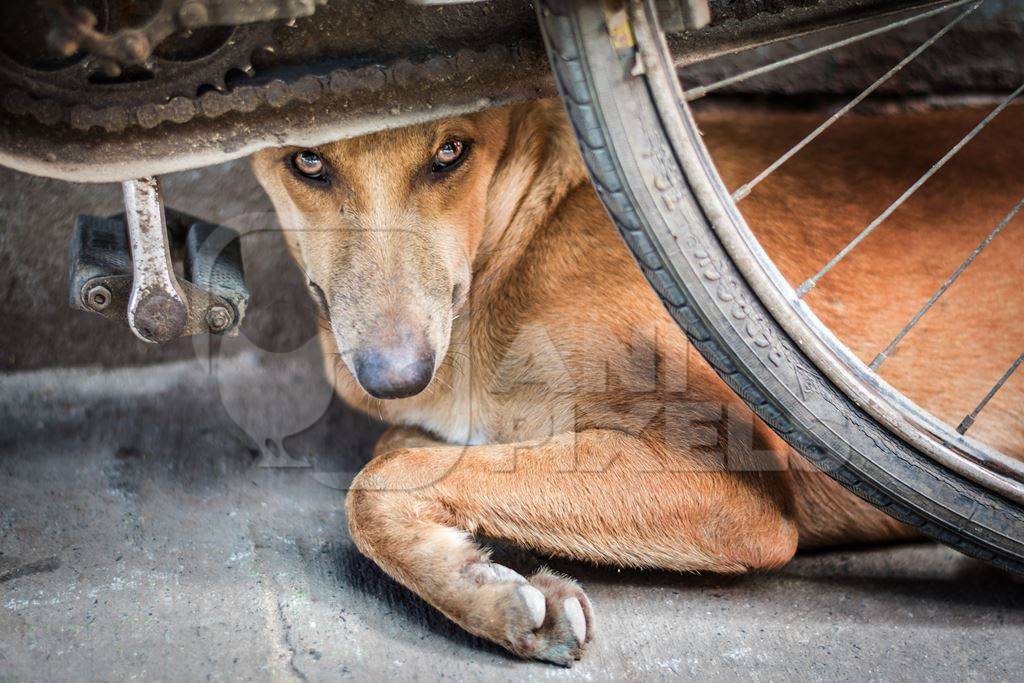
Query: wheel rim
x=938, y=440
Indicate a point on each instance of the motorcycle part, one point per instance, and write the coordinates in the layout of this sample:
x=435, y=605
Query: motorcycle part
x=214, y=289
x=351, y=69
x=81, y=91
x=74, y=28
x=156, y=306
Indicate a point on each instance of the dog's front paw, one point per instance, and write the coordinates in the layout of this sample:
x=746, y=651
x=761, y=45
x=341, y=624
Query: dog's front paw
x=560, y=621
x=547, y=617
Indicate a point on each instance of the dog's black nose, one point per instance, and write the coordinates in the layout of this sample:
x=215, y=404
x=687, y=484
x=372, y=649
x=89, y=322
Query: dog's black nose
x=394, y=372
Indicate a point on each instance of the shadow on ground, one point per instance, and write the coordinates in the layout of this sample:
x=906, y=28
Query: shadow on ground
x=139, y=537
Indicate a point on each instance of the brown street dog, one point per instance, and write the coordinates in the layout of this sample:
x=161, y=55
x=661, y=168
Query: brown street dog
x=479, y=299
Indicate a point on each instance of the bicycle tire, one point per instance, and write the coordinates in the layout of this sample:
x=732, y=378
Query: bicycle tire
x=631, y=162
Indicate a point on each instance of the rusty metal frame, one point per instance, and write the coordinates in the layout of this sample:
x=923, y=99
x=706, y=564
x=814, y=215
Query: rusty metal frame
x=327, y=104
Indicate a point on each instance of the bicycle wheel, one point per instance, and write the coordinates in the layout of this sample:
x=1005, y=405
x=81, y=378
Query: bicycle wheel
x=653, y=172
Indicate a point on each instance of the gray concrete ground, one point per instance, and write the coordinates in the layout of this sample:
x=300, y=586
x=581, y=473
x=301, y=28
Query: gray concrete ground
x=141, y=538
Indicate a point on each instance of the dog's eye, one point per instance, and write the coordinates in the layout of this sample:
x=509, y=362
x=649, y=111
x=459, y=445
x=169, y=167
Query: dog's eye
x=308, y=164
x=449, y=155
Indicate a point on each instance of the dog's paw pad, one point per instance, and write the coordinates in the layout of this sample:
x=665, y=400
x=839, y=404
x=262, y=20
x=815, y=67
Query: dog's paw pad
x=547, y=617
x=562, y=620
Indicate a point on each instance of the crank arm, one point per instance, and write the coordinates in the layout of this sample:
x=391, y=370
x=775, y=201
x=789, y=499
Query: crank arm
x=122, y=268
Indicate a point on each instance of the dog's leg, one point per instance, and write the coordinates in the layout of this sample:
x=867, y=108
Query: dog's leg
x=601, y=496
x=399, y=437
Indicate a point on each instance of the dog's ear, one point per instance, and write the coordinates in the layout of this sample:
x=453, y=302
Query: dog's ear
x=539, y=145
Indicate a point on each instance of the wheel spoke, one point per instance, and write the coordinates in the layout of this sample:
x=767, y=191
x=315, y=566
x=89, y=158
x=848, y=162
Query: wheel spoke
x=812, y=281
x=700, y=91
x=969, y=420
x=881, y=357
x=744, y=190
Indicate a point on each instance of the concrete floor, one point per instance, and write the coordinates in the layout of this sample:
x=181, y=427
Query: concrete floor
x=142, y=535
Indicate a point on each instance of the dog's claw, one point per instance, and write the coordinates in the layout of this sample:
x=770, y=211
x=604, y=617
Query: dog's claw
x=565, y=627
x=547, y=617
x=574, y=613
x=534, y=600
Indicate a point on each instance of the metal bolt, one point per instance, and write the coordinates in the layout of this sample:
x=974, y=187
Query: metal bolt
x=158, y=318
x=219, y=318
x=97, y=297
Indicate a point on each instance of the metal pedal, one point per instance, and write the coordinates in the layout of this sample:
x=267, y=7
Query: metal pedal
x=133, y=282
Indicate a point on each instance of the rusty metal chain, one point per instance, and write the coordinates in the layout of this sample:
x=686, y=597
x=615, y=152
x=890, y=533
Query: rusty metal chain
x=246, y=98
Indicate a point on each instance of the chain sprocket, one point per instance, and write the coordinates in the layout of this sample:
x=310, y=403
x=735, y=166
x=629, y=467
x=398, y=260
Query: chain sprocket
x=78, y=91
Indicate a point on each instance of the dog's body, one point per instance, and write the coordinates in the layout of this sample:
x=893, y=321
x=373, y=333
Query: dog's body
x=566, y=411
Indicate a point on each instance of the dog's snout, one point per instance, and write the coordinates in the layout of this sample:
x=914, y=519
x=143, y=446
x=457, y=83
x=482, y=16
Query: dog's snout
x=397, y=372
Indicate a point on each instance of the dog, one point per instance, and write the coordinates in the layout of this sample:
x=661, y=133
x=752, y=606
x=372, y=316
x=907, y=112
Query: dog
x=477, y=297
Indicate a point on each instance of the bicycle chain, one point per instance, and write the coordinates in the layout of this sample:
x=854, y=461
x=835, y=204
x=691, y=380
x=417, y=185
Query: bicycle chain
x=246, y=98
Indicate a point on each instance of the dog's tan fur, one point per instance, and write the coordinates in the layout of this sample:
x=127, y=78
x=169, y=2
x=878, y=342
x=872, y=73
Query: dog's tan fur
x=567, y=413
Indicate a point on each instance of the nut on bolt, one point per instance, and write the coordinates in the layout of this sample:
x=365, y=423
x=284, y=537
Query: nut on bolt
x=219, y=318
x=97, y=297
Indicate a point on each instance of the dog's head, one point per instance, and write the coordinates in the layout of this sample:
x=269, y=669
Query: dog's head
x=387, y=227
